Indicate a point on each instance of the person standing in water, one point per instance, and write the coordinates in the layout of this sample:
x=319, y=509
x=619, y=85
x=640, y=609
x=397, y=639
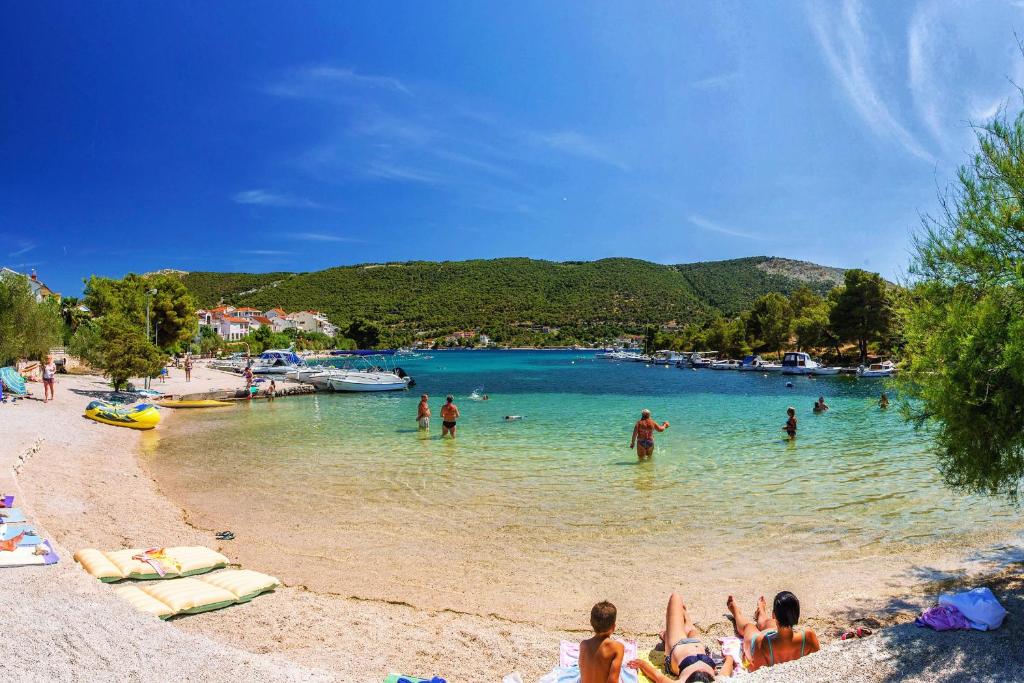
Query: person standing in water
x=883, y=402
x=820, y=406
x=423, y=413
x=790, y=426
x=643, y=434
x=449, y=414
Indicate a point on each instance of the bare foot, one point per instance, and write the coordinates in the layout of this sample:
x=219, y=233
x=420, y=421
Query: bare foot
x=731, y=604
x=761, y=612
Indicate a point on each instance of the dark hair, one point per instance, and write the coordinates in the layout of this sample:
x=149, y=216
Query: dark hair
x=602, y=616
x=700, y=677
x=786, y=609
x=449, y=398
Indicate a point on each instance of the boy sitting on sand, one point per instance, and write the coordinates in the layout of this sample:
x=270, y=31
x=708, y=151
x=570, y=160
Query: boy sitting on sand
x=600, y=656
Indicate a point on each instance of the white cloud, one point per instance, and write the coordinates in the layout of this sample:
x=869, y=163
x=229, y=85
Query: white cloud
x=712, y=82
x=394, y=171
x=325, y=81
x=268, y=198
x=320, y=237
x=579, y=145
x=848, y=53
x=712, y=226
x=25, y=247
x=265, y=252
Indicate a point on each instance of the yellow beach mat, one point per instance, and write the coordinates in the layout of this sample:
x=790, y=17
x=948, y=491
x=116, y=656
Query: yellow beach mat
x=193, y=595
x=203, y=403
x=124, y=564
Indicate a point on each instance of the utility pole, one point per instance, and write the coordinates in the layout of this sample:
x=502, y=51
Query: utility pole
x=149, y=294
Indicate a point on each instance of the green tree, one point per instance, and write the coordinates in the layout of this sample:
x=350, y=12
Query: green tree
x=804, y=299
x=209, y=341
x=963, y=362
x=172, y=318
x=28, y=329
x=771, y=321
x=118, y=347
x=862, y=311
x=365, y=333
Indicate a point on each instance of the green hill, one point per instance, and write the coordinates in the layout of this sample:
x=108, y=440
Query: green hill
x=431, y=298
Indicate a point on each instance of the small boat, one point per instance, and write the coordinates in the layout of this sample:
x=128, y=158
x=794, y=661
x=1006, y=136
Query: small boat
x=277, y=362
x=886, y=368
x=141, y=416
x=701, y=359
x=726, y=365
x=201, y=403
x=368, y=381
x=799, y=363
x=666, y=357
x=758, y=364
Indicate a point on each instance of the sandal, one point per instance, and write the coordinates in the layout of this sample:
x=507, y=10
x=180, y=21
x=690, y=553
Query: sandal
x=224, y=536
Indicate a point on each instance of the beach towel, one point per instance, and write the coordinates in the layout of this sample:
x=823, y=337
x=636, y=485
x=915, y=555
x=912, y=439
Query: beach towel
x=149, y=563
x=943, y=618
x=979, y=606
x=192, y=595
x=26, y=555
x=11, y=515
x=6, y=501
x=398, y=678
x=13, y=381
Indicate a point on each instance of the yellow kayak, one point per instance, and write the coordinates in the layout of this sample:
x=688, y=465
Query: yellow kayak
x=141, y=416
x=204, y=403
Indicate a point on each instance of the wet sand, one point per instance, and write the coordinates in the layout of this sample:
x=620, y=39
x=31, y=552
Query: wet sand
x=83, y=483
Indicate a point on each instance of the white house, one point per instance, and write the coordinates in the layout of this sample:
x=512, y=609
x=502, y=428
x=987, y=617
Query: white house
x=313, y=321
x=39, y=290
x=279, y=320
x=233, y=327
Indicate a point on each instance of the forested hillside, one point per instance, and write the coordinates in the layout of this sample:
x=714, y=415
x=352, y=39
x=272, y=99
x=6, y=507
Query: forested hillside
x=491, y=295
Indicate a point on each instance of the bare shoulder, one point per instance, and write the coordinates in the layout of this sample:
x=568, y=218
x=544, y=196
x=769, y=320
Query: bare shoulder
x=812, y=640
x=612, y=646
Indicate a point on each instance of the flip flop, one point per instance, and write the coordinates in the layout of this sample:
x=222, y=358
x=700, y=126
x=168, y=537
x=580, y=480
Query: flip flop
x=224, y=536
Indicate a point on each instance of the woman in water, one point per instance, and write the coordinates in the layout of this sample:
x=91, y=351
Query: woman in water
x=643, y=434
x=790, y=426
x=883, y=402
x=771, y=638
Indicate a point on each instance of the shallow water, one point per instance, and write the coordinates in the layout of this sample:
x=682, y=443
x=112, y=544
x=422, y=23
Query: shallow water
x=556, y=503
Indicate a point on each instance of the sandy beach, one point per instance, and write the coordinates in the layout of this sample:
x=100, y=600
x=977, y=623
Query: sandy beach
x=83, y=485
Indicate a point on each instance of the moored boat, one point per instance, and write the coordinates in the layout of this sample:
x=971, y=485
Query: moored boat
x=885, y=368
x=800, y=363
x=725, y=364
x=141, y=416
x=758, y=364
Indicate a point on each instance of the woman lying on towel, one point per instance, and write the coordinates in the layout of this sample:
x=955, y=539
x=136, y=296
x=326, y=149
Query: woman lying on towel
x=771, y=638
x=685, y=655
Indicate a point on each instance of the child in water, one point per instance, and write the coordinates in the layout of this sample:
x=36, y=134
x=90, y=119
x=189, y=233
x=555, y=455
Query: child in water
x=790, y=426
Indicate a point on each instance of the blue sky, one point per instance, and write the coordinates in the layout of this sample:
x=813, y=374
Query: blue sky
x=263, y=136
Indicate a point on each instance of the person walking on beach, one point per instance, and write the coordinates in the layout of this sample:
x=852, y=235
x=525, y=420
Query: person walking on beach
x=188, y=368
x=423, y=413
x=643, y=434
x=790, y=426
x=248, y=381
x=49, y=378
x=449, y=414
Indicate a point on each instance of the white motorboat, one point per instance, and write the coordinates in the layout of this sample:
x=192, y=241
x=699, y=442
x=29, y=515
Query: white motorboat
x=799, y=363
x=758, y=364
x=725, y=365
x=666, y=357
x=886, y=368
x=277, y=362
x=236, y=362
x=368, y=381
x=702, y=359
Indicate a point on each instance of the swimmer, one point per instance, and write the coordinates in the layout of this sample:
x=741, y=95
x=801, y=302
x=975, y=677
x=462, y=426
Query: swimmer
x=790, y=426
x=819, y=406
x=883, y=402
x=514, y=417
x=643, y=434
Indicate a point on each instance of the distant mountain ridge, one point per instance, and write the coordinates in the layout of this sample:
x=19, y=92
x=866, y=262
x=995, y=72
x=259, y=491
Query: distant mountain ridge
x=427, y=297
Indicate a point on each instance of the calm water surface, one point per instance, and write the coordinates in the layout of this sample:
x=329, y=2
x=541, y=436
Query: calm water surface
x=348, y=477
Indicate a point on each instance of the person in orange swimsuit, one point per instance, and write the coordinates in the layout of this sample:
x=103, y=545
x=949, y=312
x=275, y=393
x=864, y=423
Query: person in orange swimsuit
x=643, y=434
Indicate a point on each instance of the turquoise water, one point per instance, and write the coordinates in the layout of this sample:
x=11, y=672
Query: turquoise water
x=561, y=486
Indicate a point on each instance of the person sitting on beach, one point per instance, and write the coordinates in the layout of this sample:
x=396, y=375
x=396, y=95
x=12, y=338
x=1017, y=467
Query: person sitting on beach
x=423, y=413
x=601, y=656
x=685, y=655
x=819, y=405
x=790, y=426
x=883, y=402
x=771, y=639
x=643, y=434
x=449, y=414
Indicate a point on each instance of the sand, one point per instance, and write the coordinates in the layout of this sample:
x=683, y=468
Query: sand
x=82, y=484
